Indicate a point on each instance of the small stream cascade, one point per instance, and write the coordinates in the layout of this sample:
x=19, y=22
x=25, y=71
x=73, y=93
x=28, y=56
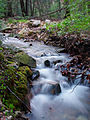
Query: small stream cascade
x=65, y=103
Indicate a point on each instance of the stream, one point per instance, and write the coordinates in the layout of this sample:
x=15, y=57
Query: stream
x=68, y=105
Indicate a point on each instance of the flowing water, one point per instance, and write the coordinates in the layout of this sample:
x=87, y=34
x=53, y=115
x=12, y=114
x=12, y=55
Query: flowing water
x=69, y=104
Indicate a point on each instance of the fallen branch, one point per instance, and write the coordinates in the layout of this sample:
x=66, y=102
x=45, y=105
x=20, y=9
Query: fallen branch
x=47, y=14
x=19, y=99
x=75, y=87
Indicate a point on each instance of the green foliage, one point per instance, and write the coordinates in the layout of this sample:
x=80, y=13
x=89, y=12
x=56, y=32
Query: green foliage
x=2, y=8
x=74, y=23
x=0, y=24
x=0, y=42
x=10, y=20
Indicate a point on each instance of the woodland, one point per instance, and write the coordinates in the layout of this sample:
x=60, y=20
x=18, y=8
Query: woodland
x=44, y=60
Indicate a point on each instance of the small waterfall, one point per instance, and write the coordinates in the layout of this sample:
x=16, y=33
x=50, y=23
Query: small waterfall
x=69, y=104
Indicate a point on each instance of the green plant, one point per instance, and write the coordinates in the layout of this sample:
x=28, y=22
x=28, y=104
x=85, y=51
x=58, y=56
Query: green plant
x=2, y=8
x=76, y=23
x=11, y=106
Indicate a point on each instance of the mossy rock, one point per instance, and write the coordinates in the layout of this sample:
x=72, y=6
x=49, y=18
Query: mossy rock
x=26, y=71
x=24, y=59
x=17, y=82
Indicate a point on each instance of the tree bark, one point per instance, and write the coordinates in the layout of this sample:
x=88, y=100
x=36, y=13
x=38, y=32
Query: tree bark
x=27, y=1
x=39, y=8
x=32, y=6
x=22, y=7
x=9, y=5
x=67, y=12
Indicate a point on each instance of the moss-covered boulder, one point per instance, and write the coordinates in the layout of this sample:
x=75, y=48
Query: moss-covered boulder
x=26, y=71
x=15, y=77
x=24, y=59
x=17, y=81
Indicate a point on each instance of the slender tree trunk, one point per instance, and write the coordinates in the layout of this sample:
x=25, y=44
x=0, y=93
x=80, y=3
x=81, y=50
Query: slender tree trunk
x=39, y=8
x=59, y=4
x=27, y=1
x=9, y=5
x=31, y=8
x=67, y=12
x=22, y=7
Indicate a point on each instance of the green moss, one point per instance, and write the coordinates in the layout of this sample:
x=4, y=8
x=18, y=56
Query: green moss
x=17, y=82
x=26, y=71
x=15, y=79
x=0, y=42
x=1, y=57
x=25, y=59
x=1, y=48
x=10, y=62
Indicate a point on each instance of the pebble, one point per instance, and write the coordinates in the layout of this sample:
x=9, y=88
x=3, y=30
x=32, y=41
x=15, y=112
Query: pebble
x=9, y=118
x=17, y=112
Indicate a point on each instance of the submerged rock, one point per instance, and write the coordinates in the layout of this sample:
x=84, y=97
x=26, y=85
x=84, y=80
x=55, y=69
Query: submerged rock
x=55, y=89
x=25, y=59
x=47, y=63
x=52, y=88
x=35, y=75
x=57, y=61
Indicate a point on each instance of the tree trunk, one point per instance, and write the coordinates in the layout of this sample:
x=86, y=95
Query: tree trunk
x=9, y=6
x=39, y=8
x=27, y=1
x=32, y=2
x=22, y=7
x=67, y=12
x=59, y=4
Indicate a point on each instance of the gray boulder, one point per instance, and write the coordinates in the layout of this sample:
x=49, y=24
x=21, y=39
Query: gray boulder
x=24, y=59
x=36, y=23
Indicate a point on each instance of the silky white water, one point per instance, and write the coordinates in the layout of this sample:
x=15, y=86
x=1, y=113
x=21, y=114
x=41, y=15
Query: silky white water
x=69, y=104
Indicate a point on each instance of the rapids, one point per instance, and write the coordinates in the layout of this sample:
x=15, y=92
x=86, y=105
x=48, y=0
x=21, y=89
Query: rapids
x=69, y=104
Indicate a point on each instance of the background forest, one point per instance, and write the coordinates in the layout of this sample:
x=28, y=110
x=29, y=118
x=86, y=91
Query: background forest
x=76, y=12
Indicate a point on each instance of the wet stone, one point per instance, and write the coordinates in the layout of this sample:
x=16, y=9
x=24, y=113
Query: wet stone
x=30, y=44
x=57, y=61
x=47, y=63
x=35, y=75
x=54, y=89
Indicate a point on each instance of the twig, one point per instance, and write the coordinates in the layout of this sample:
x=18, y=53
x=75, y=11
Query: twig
x=75, y=86
x=19, y=99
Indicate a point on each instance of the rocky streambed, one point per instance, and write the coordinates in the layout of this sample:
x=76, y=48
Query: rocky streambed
x=58, y=92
